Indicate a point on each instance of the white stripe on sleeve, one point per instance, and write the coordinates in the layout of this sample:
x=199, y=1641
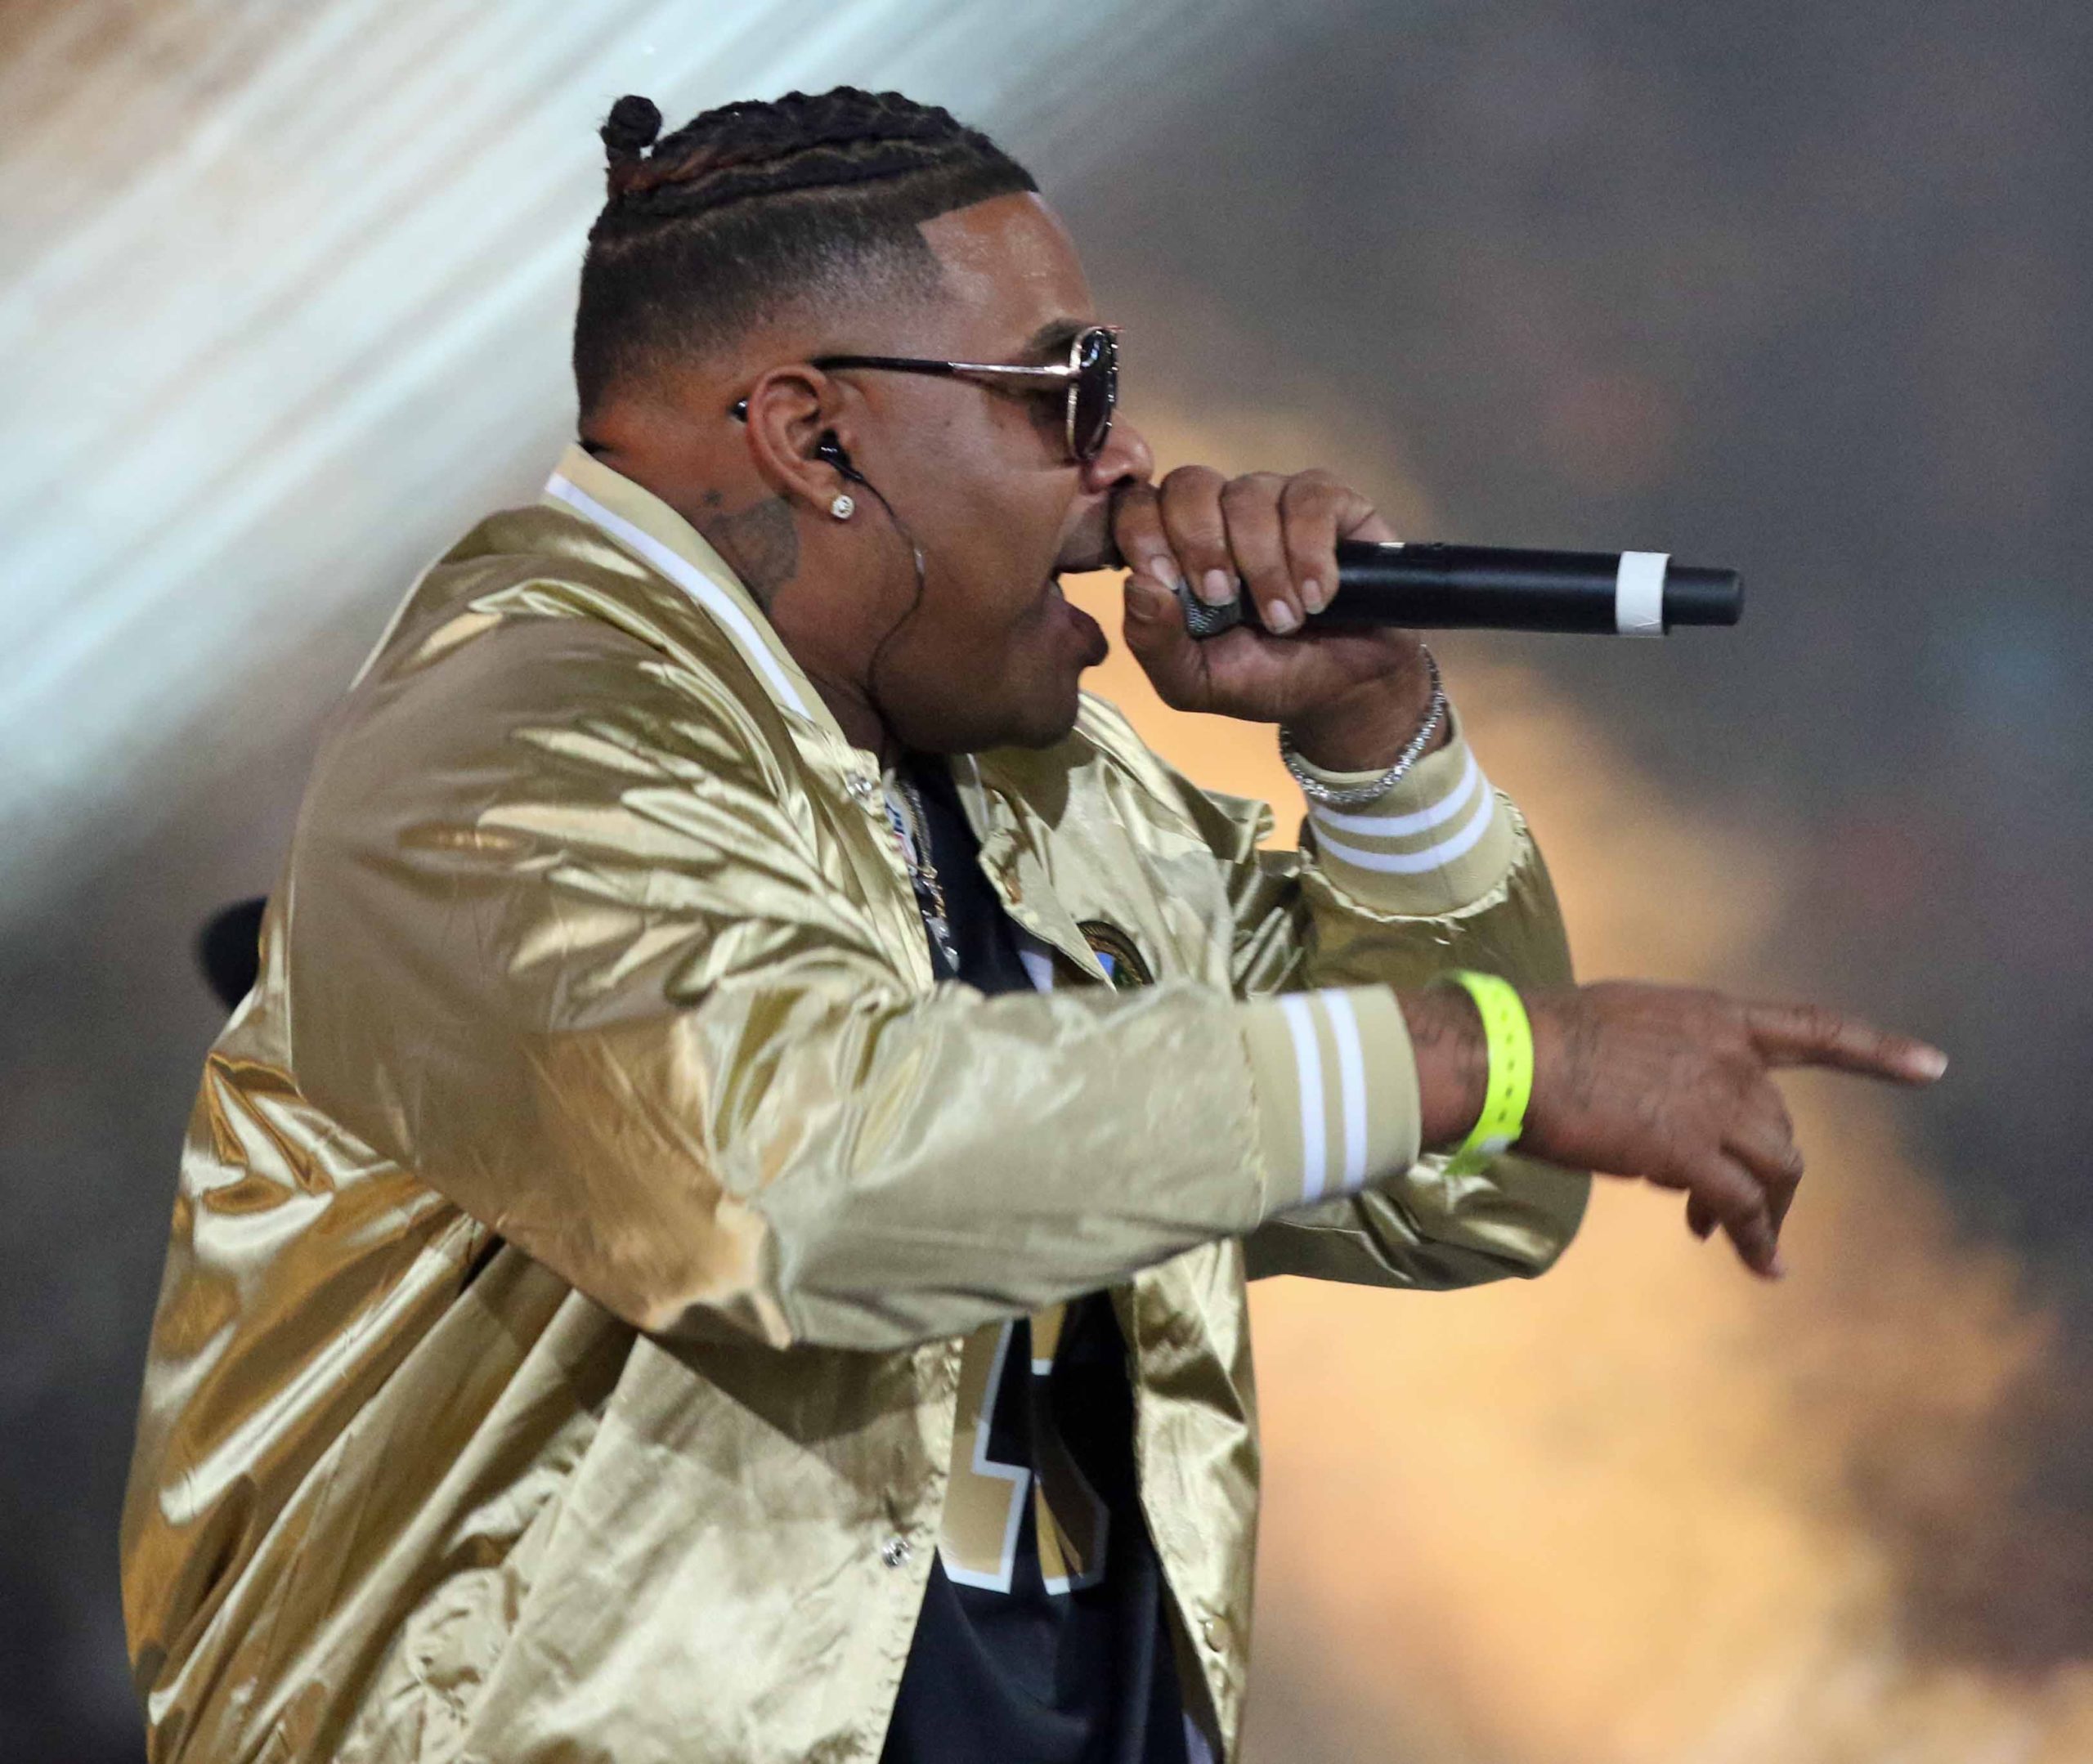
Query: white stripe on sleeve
x=1308, y=1069
x=1432, y=857
x=1352, y=1084
x=1400, y=827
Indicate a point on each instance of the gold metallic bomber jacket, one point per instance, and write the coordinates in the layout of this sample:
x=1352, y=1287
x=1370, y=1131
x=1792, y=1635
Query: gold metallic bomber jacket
x=587, y=1226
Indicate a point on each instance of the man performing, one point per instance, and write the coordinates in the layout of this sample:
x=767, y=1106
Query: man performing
x=721, y=1231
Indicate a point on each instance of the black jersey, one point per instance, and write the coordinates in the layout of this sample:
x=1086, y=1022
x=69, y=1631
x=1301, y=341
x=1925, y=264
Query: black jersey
x=1033, y=1650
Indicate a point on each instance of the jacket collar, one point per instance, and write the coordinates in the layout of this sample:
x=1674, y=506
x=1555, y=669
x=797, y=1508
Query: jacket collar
x=643, y=525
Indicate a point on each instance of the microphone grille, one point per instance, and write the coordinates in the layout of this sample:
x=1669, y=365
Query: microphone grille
x=1205, y=621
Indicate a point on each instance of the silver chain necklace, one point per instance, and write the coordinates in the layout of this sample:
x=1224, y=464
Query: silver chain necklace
x=912, y=835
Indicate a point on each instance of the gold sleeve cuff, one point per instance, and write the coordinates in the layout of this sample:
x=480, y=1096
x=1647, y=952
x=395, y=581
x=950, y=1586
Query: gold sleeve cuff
x=1335, y=1085
x=1437, y=842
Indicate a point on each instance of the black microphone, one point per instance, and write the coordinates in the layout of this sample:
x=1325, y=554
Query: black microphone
x=1493, y=588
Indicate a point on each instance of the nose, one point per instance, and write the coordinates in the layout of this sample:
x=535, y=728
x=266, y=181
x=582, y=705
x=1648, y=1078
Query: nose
x=1124, y=458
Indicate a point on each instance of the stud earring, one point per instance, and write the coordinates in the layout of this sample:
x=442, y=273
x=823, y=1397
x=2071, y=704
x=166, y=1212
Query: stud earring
x=842, y=507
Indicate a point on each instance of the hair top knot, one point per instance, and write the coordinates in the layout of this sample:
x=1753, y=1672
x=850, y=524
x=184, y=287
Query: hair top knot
x=633, y=126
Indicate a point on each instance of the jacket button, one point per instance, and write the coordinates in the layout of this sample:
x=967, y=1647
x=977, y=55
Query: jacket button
x=896, y=1551
x=1212, y=1632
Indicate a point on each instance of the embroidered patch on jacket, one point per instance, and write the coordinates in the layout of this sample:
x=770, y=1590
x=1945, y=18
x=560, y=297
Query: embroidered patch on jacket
x=1116, y=955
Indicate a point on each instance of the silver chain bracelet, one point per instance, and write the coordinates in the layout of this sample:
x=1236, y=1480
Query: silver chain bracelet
x=1358, y=795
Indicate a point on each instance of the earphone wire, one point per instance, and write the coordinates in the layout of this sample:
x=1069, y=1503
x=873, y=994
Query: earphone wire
x=915, y=553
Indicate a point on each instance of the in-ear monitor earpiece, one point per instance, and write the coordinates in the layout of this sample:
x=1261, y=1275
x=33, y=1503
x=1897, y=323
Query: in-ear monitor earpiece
x=831, y=449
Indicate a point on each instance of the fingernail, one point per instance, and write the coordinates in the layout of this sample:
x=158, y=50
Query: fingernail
x=1144, y=598
x=1311, y=595
x=1929, y=1063
x=1163, y=567
x=1217, y=588
x=1280, y=617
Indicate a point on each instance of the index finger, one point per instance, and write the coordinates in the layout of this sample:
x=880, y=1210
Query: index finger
x=1137, y=530
x=1809, y=1035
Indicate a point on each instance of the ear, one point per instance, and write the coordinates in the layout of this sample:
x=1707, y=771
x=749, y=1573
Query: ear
x=789, y=409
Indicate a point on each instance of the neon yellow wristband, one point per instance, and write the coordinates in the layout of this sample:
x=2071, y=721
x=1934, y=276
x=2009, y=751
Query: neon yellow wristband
x=1509, y=1038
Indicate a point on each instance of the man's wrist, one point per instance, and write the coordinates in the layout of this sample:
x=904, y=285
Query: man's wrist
x=1453, y=1063
x=1367, y=728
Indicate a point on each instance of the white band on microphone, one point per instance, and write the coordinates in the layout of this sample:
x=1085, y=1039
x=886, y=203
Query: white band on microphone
x=1638, y=594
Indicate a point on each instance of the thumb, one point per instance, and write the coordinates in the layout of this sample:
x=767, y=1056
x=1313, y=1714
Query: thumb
x=1155, y=633
x=1151, y=608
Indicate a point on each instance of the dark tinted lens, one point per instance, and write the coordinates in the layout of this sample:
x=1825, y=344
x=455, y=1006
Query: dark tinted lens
x=1095, y=392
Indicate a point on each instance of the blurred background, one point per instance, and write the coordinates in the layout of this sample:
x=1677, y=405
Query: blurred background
x=283, y=298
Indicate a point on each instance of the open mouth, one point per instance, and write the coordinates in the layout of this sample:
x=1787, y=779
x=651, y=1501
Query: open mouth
x=1088, y=634
x=1107, y=558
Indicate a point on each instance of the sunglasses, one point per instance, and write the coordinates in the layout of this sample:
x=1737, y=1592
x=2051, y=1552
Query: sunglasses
x=1090, y=376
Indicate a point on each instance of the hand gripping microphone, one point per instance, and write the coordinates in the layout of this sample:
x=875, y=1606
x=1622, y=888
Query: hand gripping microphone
x=1491, y=588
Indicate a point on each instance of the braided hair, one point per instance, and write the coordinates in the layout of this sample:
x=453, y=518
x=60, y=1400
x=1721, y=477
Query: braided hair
x=756, y=206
